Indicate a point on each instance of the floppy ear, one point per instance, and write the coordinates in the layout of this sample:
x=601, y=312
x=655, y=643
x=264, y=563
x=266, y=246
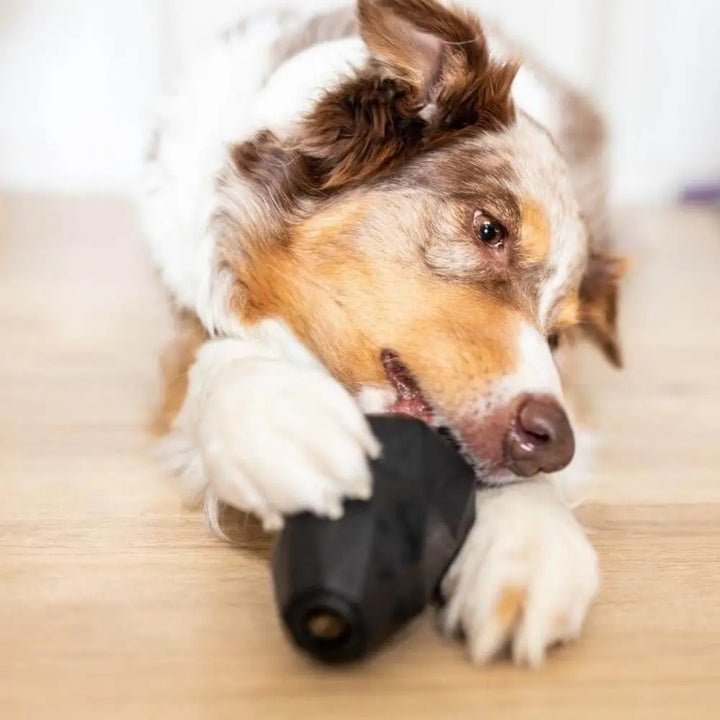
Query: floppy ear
x=429, y=76
x=409, y=52
x=442, y=52
x=274, y=170
x=599, y=302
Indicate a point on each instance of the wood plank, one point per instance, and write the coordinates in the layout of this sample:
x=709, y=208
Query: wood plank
x=117, y=603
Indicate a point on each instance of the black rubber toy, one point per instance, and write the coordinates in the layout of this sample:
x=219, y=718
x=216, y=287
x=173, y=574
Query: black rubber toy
x=345, y=586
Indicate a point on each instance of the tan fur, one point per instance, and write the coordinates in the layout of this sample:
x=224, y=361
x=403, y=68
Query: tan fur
x=599, y=302
x=175, y=362
x=568, y=314
x=535, y=242
x=348, y=298
x=363, y=238
x=510, y=606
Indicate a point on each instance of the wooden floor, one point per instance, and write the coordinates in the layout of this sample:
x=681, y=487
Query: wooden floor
x=117, y=603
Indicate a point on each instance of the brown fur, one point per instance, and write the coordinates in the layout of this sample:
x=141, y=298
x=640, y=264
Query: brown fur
x=535, y=234
x=599, y=303
x=443, y=52
x=341, y=293
x=364, y=238
x=568, y=315
x=267, y=164
x=348, y=293
x=175, y=362
x=372, y=123
x=366, y=126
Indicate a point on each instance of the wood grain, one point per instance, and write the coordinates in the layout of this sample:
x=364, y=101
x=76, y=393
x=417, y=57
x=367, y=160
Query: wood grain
x=117, y=603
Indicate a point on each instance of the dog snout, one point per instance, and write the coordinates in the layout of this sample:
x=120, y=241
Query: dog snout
x=540, y=438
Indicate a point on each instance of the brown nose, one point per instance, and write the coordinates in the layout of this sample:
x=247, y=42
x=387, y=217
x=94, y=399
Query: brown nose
x=540, y=438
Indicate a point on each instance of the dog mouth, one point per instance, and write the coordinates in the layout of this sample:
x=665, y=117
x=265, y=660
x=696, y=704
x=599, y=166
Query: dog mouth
x=531, y=434
x=410, y=400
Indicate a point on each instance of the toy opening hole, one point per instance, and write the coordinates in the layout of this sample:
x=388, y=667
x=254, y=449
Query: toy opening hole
x=327, y=627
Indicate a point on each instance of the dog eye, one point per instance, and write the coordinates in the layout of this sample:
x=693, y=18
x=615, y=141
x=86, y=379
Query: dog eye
x=491, y=232
x=553, y=341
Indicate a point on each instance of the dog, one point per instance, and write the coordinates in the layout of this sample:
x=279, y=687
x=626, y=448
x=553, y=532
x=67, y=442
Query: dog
x=373, y=209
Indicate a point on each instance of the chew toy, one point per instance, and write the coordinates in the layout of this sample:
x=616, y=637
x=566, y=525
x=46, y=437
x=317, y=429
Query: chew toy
x=345, y=586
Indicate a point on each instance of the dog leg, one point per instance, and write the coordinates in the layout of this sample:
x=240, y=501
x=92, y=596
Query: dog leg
x=266, y=429
x=525, y=577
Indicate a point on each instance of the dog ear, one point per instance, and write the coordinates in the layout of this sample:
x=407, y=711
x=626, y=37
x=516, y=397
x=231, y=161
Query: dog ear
x=599, y=293
x=442, y=53
x=430, y=75
x=363, y=126
x=408, y=50
x=274, y=170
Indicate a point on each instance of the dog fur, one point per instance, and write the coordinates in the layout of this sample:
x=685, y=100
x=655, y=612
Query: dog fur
x=312, y=202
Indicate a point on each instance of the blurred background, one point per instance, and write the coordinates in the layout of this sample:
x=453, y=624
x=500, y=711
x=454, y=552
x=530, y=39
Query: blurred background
x=78, y=80
x=115, y=603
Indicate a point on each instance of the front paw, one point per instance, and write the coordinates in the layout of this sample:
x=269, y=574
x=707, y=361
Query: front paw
x=279, y=438
x=525, y=577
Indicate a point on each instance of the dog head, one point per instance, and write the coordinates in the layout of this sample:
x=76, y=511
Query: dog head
x=422, y=238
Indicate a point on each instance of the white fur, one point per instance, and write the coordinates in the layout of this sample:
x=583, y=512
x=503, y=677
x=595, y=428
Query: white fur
x=547, y=181
x=211, y=109
x=574, y=484
x=525, y=541
x=296, y=84
x=374, y=399
x=228, y=95
x=535, y=372
x=265, y=428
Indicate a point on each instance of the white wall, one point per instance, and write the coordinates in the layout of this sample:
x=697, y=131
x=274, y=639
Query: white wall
x=77, y=79
x=662, y=91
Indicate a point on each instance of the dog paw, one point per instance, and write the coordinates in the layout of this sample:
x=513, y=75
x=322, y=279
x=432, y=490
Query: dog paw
x=524, y=579
x=278, y=438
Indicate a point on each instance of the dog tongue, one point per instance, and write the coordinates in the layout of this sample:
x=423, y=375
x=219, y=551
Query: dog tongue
x=409, y=398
